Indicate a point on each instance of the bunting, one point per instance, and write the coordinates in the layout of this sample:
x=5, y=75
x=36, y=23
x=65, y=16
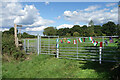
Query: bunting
x=68, y=41
x=93, y=41
x=80, y=40
x=90, y=38
x=106, y=43
x=61, y=41
x=74, y=41
x=83, y=39
x=57, y=40
x=111, y=40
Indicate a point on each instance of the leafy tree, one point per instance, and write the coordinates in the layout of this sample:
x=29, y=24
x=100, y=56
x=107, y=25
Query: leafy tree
x=76, y=34
x=26, y=35
x=109, y=28
x=50, y=31
x=68, y=34
x=60, y=32
x=75, y=28
x=91, y=23
x=11, y=30
x=97, y=30
x=9, y=48
x=83, y=31
x=63, y=31
x=90, y=31
x=118, y=30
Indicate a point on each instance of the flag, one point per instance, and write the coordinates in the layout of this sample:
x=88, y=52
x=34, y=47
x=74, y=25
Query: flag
x=106, y=43
x=80, y=40
x=111, y=40
x=65, y=39
x=93, y=41
x=61, y=41
x=74, y=42
x=57, y=45
x=83, y=39
x=57, y=40
x=90, y=38
x=68, y=41
x=96, y=43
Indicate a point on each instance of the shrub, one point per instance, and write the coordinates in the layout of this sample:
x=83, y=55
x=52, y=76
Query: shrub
x=9, y=48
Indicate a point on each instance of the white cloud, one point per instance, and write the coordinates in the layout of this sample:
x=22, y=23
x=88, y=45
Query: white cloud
x=46, y=3
x=114, y=10
x=111, y=4
x=32, y=17
x=98, y=16
x=9, y=12
x=4, y=29
x=36, y=28
x=58, y=17
x=92, y=8
x=65, y=26
x=16, y=13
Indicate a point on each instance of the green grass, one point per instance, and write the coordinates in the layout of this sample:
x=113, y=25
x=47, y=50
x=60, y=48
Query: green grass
x=45, y=66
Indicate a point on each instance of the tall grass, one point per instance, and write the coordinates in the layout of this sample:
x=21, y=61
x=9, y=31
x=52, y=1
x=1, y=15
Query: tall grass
x=45, y=66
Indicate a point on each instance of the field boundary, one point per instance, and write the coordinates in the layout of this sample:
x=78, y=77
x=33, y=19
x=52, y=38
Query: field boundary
x=53, y=45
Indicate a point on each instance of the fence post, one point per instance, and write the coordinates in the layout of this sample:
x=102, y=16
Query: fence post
x=48, y=44
x=38, y=44
x=100, y=52
x=28, y=44
x=24, y=45
x=57, y=46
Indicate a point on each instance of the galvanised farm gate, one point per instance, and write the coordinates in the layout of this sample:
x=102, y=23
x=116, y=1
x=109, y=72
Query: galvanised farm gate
x=102, y=48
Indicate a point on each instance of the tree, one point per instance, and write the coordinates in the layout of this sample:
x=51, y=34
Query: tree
x=91, y=23
x=109, y=28
x=75, y=28
x=97, y=30
x=26, y=35
x=83, y=30
x=118, y=30
x=68, y=34
x=50, y=31
x=63, y=31
x=76, y=34
x=11, y=30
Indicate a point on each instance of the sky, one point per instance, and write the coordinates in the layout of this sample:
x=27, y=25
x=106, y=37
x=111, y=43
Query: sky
x=36, y=16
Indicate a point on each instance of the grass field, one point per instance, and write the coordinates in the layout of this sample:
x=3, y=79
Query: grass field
x=45, y=66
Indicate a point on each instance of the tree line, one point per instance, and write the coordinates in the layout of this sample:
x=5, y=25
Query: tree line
x=20, y=35
x=107, y=29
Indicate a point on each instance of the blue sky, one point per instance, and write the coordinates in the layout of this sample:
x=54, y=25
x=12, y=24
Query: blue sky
x=55, y=9
x=35, y=16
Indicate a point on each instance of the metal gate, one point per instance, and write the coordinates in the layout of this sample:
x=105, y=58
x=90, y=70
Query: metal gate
x=80, y=48
x=47, y=45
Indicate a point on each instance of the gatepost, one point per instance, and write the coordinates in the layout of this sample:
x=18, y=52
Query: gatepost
x=100, y=52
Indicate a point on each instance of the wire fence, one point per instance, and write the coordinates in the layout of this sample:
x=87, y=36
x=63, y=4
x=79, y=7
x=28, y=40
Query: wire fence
x=101, y=48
